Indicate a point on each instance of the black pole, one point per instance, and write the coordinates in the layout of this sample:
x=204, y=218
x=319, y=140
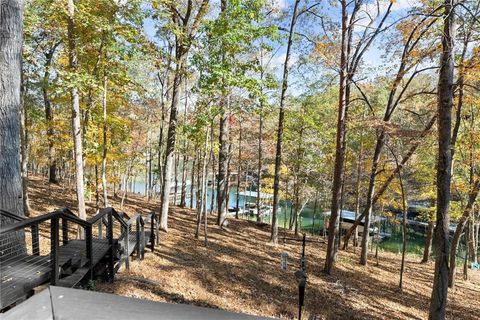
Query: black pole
x=302, y=279
x=302, y=261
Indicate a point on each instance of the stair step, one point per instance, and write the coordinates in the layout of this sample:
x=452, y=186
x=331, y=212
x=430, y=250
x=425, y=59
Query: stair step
x=73, y=279
x=79, y=262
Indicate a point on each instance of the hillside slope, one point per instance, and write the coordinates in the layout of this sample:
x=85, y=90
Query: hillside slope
x=240, y=271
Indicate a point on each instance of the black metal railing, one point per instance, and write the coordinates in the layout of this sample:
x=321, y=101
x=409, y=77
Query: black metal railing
x=53, y=218
x=132, y=232
x=45, y=236
x=41, y=245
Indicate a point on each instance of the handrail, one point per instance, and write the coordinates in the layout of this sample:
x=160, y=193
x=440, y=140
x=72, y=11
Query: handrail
x=133, y=219
x=11, y=215
x=65, y=213
x=28, y=222
x=117, y=216
x=105, y=216
x=126, y=216
x=101, y=214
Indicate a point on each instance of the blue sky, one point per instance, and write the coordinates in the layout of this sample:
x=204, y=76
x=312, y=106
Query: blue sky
x=372, y=58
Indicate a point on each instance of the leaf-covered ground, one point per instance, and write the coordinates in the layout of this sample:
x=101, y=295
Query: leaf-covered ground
x=240, y=271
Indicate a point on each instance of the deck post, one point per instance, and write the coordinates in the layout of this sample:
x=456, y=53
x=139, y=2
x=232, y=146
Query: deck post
x=127, y=249
x=152, y=231
x=89, y=244
x=64, y=230
x=100, y=228
x=139, y=244
x=157, y=227
x=54, y=248
x=35, y=240
x=110, y=243
x=142, y=237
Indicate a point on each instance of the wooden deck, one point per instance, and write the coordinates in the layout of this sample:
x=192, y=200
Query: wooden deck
x=72, y=261
x=63, y=303
x=21, y=273
x=25, y=272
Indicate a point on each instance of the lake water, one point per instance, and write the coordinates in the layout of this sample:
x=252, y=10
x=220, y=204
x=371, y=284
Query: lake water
x=309, y=221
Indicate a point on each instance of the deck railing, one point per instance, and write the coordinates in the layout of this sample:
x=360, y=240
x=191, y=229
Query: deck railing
x=132, y=233
x=33, y=226
x=54, y=246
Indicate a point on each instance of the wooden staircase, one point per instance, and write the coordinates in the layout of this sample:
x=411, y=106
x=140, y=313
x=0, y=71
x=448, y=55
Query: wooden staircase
x=70, y=261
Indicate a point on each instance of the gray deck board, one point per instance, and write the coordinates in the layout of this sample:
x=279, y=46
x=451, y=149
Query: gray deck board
x=20, y=274
x=72, y=304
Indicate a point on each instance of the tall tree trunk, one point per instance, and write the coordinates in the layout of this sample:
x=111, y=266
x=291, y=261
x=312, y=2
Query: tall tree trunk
x=404, y=221
x=237, y=206
x=177, y=160
x=52, y=160
x=75, y=101
x=171, y=135
x=147, y=161
x=370, y=193
x=227, y=191
x=464, y=219
x=185, y=157
x=105, y=148
x=11, y=190
x=160, y=149
x=204, y=204
x=438, y=300
x=474, y=184
x=297, y=204
x=340, y=146
x=149, y=168
x=115, y=177
x=245, y=189
x=281, y=116
x=192, y=177
x=428, y=241
x=467, y=254
x=198, y=193
x=314, y=211
x=476, y=240
x=202, y=191
x=223, y=138
x=357, y=188
x=183, y=196
x=24, y=146
x=340, y=220
x=292, y=216
x=472, y=250
x=213, y=197
x=222, y=183
x=11, y=193
x=97, y=196
x=259, y=167
x=291, y=196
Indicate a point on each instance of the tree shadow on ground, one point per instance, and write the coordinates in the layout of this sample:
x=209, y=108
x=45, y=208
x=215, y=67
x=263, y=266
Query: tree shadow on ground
x=240, y=271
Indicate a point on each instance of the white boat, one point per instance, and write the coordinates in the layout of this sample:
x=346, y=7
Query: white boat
x=265, y=210
x=232, y=211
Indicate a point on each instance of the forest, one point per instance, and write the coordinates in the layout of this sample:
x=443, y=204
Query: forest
x=353, y=122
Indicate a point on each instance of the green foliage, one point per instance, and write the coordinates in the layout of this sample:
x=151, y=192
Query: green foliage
x=229, y=45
